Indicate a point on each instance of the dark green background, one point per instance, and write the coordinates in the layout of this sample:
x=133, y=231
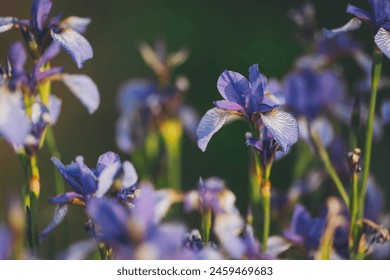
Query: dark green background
x=228, y=34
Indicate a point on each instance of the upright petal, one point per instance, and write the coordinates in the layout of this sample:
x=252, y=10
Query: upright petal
x=68, y=172
x=107, y=159
x=351, y=25
x=382, y=40
x=84, y=88
x=6, y=23
x=17, y=57
x=258, y=84
x=106, y=179
x=210, y=123
x=380, y=11
x=360, y=13
x=283, y=127
x=79, y=24
x=39, y=13
x=87, y=178
x=130, y=176
x=74, y=44
x=233, y=87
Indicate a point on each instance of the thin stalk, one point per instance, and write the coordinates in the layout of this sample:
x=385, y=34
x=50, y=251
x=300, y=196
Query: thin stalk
x=266, y=199
x=34, y=186
x=256, y=175
x=353, y=210
x=324, y=156
x=206, y=224
x=376, y=70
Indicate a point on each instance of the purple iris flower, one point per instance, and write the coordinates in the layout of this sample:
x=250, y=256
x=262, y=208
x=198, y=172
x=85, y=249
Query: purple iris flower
x=137, y=232
x=65, y=32
x=247, y=99
x=378, y=18
x=110, y=173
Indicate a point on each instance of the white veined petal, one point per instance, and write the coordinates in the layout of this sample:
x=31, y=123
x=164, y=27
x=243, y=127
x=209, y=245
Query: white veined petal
x=6, y=23
x=283, y=127
x=382, y=40
x=106, y=179
x=210, y=123
x=130, y=176
x=351, y=25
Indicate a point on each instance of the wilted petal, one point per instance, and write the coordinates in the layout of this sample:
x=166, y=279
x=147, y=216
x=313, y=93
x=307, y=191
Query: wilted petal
x=233, y=87
x=6, y=23
x=105, y=160
x=283, y=127
x=351, y=25
x=39, y=13
x=84, y=89
x=385, y=111
x=382, y=40
x=14, y=125
x=106, y=179
x=130, y=176
x=74, y=44
x=210, y=123
x=76, y=23
x=59, y=215
x=359, y=13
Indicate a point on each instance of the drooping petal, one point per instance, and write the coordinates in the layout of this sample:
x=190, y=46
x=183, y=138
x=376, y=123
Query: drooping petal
x=74, y=44
x=14, y=125
x=105, y=160
x=233, y=87
x=84, y=88
x=385, y=111
x=277, y=245
x=360, y=13
x=283, y=127
x=106, y=179
x=6, y=23
x=130, y=176
x=210, y=123
x=79, y=24
x=382, y=40
x=59, y=215
x=39, y=13
x=351, y=25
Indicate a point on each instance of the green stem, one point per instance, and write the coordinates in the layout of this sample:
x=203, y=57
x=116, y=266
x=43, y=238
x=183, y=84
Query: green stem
x=51, y=143
x=354, y=233
x=266, y=198
x=254, y=194
x=375, y=77
x=324, y=156
x=206, y=224
x=34, y=186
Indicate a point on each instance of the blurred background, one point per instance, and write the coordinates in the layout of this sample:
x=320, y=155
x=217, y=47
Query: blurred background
x=220, y=34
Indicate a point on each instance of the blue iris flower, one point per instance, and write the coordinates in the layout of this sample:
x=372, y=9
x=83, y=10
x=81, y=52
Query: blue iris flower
x=378, y=18
x=247, y=99
x=65, y=32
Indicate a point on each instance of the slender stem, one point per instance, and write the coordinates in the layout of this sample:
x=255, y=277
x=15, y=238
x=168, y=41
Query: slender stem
x=52, y=146
x=206, y=224
x=375, y=77
x=353, y=211
x=171, y=131
x=266, y=199
x=34, y=186
x=256, y=175
x=324, y=156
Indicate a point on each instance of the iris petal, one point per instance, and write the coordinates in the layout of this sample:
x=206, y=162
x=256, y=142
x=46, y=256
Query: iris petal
x=84, y=89
x=210, y=123
x=233, y=87
x=6, y=23
x=74, y=44
x=59, y=215
x=382, y=40
x=76, y=23
x=106, y=179
x=283, y=127
x=39, y=13
x=360, y=13
x=351, y=25
x=130, y=176
x=385, y=111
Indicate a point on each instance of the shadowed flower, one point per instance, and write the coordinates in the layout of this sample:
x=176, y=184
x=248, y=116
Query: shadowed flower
x=378, y=18
x=247, y=99
x=65, y=32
